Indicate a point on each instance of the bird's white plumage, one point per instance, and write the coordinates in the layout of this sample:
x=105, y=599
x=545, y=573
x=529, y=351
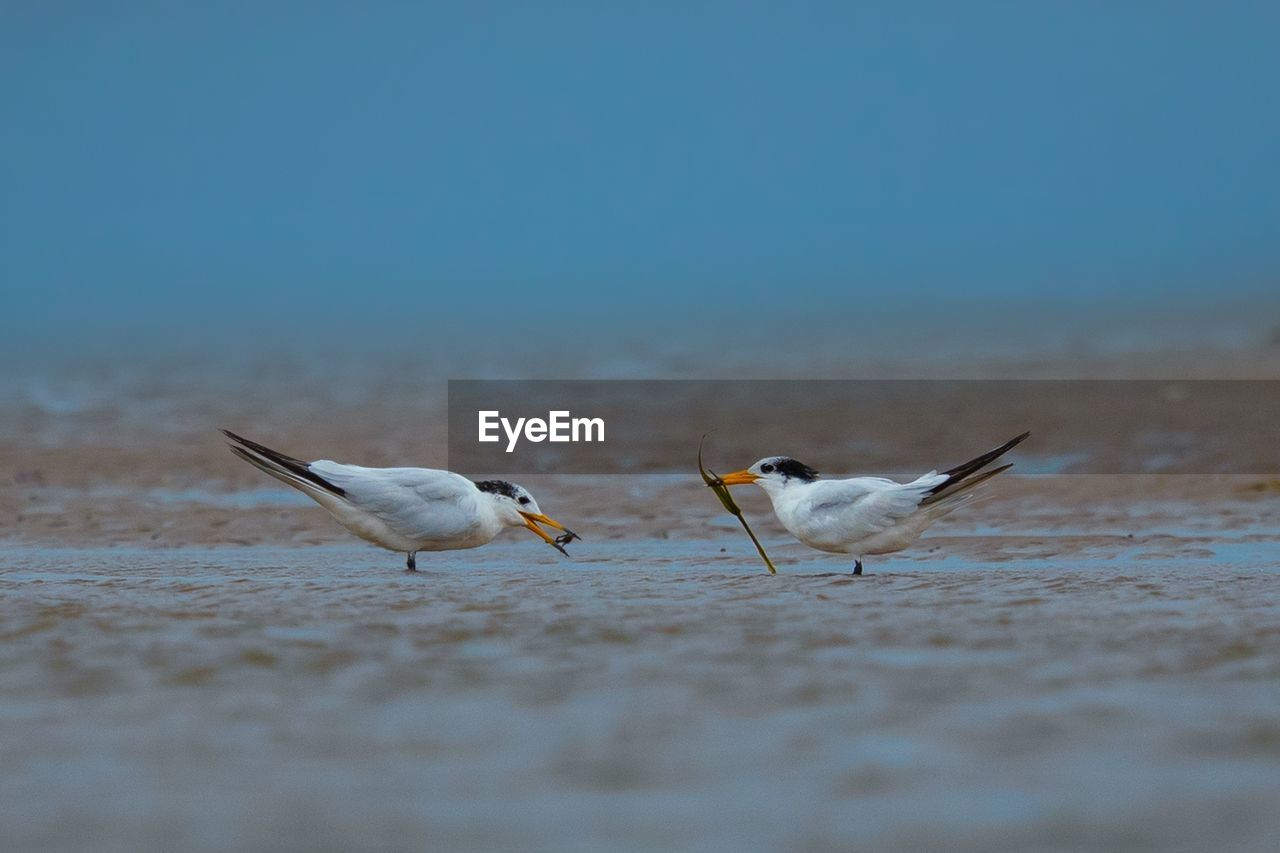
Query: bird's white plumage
x=410, y=509
x=861, y=515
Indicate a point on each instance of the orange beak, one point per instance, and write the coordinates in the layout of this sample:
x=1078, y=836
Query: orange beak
x=739, y=478
x=533, y=516
x=531, y=520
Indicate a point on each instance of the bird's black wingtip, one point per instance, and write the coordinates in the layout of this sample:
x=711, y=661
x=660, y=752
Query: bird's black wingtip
x=1010, y=444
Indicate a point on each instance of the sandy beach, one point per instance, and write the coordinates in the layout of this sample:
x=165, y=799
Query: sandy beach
x=194, y=656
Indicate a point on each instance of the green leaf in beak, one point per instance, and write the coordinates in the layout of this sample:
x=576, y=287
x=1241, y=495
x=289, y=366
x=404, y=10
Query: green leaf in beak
x=731, y=506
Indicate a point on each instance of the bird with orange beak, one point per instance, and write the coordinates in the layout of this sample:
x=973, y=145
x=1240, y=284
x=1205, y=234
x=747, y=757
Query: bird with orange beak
x=864, y=515
x=407, y=509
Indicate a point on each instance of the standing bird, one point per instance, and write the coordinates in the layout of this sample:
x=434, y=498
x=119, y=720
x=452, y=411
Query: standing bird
x=864, y=515
x=407, y=509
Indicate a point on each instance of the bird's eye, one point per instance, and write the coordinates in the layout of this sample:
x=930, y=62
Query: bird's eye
x=524, y=501
x=766, y=468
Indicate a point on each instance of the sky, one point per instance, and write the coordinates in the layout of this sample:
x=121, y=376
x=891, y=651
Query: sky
x=202, y=172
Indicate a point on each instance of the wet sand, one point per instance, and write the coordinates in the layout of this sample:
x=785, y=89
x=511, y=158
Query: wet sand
x=195, y=658
x=642, y=697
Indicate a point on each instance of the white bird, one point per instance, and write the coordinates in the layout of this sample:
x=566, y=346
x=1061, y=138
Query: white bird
x=407, y=509
x=864, y=515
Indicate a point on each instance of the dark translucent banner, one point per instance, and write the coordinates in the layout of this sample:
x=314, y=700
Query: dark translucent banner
x=890, y=427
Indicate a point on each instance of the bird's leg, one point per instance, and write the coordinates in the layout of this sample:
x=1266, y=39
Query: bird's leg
x=857, y=567
x=411, y=564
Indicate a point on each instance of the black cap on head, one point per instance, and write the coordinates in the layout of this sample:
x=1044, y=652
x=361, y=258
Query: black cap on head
x=498, y=487
x=789, y=469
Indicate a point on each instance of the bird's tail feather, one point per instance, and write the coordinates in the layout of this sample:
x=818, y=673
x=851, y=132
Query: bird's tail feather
x=962, y=489
x=285, y=468
x=960, y=477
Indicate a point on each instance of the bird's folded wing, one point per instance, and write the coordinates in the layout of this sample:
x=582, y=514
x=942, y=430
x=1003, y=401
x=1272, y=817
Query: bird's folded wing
x=419, y=503
x=865, y=505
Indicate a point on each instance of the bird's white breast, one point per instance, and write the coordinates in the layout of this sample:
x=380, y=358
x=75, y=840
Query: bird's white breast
x=795, y=504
